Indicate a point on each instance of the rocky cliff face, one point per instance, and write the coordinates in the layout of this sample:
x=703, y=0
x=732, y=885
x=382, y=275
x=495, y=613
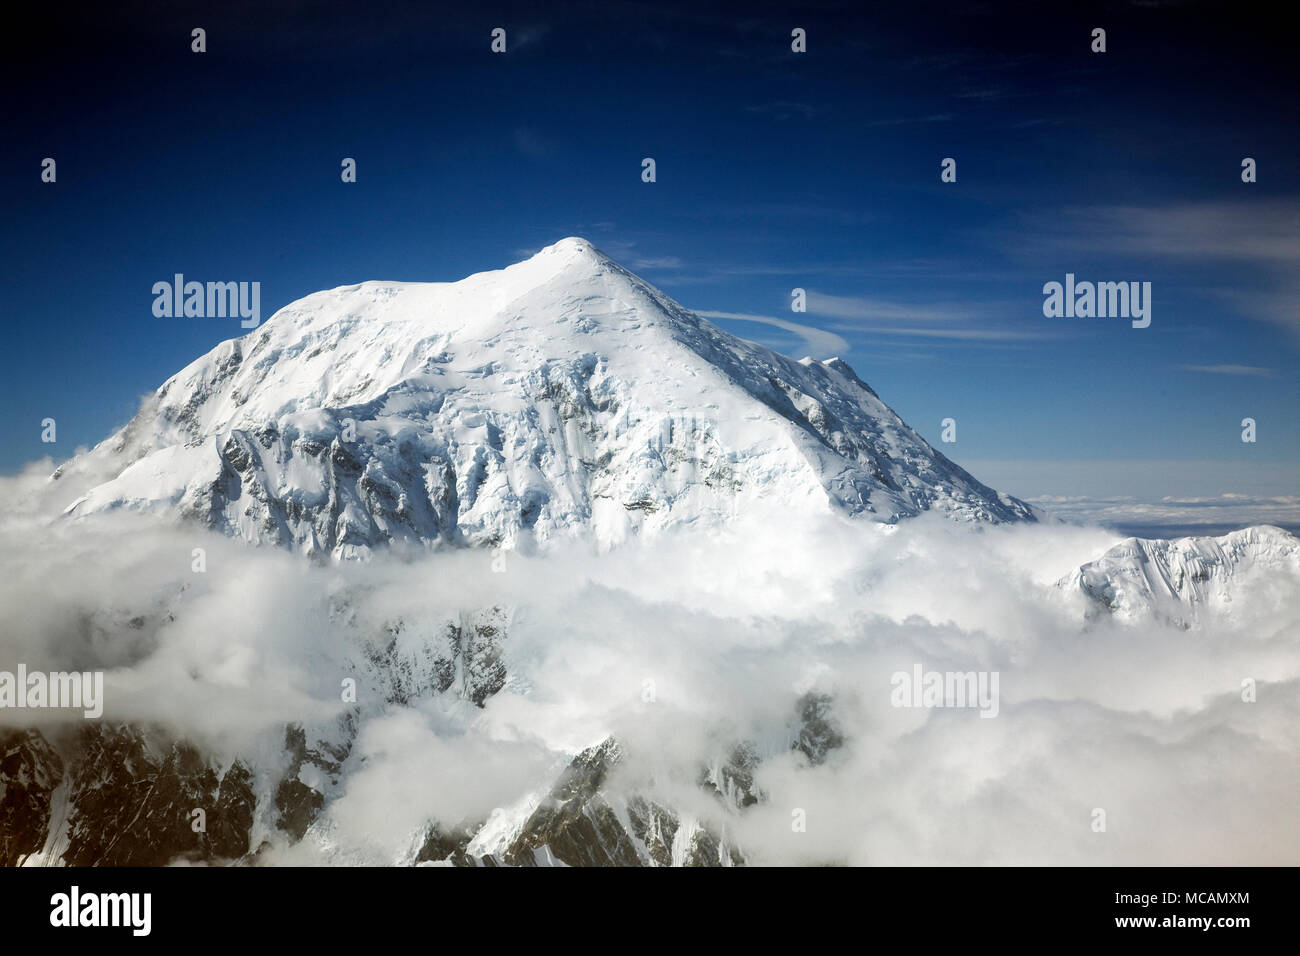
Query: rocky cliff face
x=118, y=795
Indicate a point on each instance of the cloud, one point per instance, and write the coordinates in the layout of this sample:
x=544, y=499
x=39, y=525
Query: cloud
x=864, y=307
x=627, y=253
x=785, y=109
x=800, y=212
x=532, y=144
x=974, y=335
x=1251, y=370
x=986, y=94
x=853, y=310
x=1240, y=231
x=523, y=37
x=655, y=262
x=818, y=342
x=910, y=120
x=1176, y=516
x=1252, y=237
x=1154, y=498
x=1141, y=719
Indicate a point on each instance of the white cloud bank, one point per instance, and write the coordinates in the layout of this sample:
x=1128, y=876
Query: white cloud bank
x=1143, y=721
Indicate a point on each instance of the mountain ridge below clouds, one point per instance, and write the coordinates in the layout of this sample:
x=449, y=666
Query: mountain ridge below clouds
x=1179, y=579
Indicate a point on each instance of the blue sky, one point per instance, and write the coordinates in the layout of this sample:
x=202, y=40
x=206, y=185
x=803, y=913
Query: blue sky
x=775, y=170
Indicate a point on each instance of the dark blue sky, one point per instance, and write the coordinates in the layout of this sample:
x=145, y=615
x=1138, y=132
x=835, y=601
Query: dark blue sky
x=775, y=170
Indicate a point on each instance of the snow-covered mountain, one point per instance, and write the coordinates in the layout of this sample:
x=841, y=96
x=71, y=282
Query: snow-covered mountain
x=560, y=397
x=1180, y=579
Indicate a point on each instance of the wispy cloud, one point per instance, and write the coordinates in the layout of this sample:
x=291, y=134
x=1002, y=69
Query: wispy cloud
x=626, y=252
x=1173, y=516
x=910, y=120
x=532, y=144
x=1224, y=231
x=914, y=319
x=1247, y=234
x=973, y=335
x=797, y=209
x=522, y=37
x=819, y=342
x=786, y=109
x=655, y=262
x=1226, y=369
x=1173, y=494
x=867, y=307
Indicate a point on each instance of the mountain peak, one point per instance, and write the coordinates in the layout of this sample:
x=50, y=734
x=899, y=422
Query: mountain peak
x=559, y=397
x=571, y=249
x=571, y=245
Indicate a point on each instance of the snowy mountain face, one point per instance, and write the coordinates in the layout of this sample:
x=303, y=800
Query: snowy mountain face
x=561, y=397
x=1179, y=580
